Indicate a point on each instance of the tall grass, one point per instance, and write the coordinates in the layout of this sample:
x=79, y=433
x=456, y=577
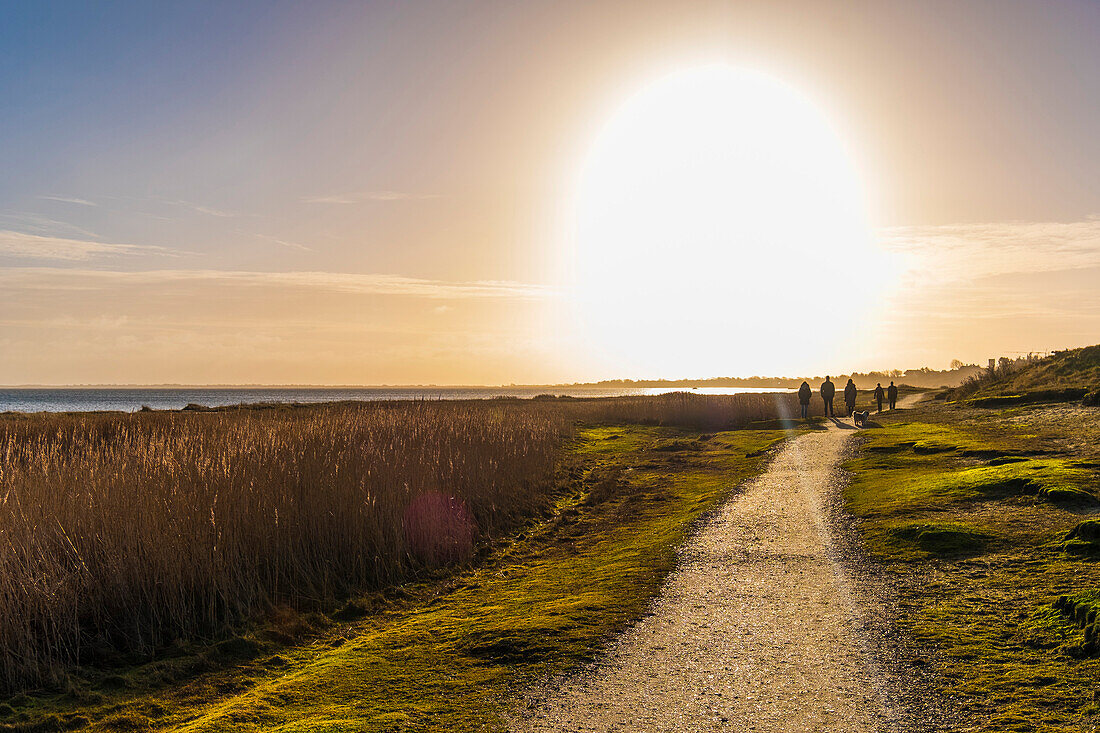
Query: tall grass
x=127, y=532
x=704, y=412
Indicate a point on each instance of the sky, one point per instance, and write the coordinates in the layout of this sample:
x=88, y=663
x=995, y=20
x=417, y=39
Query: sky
x=402, y=192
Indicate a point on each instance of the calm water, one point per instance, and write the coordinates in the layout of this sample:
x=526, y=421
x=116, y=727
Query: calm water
x=129, y=400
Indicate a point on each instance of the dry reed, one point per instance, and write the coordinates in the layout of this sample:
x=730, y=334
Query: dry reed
x=127, y=532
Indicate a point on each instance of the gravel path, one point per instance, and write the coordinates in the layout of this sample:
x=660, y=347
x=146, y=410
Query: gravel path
x=756, y=629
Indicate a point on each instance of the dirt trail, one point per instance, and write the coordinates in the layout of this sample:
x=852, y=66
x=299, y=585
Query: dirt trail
x=756, y=629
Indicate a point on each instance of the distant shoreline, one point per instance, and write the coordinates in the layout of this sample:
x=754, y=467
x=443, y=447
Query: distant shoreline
x=926, y=377
x=132, y=399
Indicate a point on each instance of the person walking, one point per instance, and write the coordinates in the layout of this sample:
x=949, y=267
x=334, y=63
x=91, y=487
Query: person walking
x=804, y=394
x=879, y=396
x=892, y=395
x=828, y=391
x=849, y=398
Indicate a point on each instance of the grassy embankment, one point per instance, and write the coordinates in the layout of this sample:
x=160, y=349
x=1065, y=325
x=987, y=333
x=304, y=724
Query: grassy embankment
x=983, y=517
x=442, y=646
x=1064, y=376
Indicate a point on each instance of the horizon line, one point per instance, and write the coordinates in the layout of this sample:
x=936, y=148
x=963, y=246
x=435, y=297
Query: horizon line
x=533, y=385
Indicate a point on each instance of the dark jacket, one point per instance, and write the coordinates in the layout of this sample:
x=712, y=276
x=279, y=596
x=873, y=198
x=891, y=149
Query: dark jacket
x=850, y=392
x=804, y=394
x=828, y=389
x=892, y=392
x=878, y=393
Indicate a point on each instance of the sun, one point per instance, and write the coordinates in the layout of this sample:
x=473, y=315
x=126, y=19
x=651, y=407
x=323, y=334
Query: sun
x=720, y=226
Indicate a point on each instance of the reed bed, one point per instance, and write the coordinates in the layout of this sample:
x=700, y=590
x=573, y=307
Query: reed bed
x=703, y=412
x=128, y=532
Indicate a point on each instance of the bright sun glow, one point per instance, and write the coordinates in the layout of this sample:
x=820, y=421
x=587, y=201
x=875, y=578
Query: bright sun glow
x=720, y=227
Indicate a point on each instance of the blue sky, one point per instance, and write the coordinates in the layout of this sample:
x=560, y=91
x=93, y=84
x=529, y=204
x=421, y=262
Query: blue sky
x=373, y=192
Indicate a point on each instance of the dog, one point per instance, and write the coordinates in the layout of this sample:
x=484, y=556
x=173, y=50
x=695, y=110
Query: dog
x=861, y=418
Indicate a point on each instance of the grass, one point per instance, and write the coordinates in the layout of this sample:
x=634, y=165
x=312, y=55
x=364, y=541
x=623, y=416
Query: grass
x=1065, y=375
x=1026, y=398
x=982, y=518
x=944, y=538
x=448, y=652
x=1084, y=539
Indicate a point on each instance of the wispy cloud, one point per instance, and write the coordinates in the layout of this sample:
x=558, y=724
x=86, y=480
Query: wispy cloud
x=967, y=251
x=358, y=197
x=42, y=225
x=35, y=246
x=275, y=240
x=333, y=282
x=980, y=288
x=993, y=298
x=197, y=208
x=69, y=200
x=175, y=204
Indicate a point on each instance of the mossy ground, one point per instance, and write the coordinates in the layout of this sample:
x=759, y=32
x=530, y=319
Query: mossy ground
x=451, y=652
x=970, y=512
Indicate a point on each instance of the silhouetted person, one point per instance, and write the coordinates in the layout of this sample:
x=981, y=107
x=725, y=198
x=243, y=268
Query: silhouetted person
x=849, y=398
x=804, y=395
x=892, y=395
x=828, y=390
x=879, y=396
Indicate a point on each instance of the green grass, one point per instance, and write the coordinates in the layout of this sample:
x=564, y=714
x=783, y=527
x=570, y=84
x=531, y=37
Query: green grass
x=972, y=514
x=450, y=653
x=1043, y=395
x=943, y=539
x=1084, y=539
x=930, y=467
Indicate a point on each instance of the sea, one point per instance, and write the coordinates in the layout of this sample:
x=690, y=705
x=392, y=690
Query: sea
x=131, y=399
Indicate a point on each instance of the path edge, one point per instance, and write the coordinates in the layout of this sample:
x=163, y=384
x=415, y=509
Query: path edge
x=909, y=691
